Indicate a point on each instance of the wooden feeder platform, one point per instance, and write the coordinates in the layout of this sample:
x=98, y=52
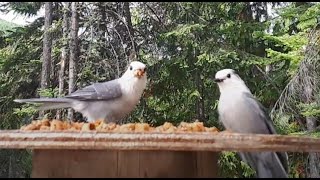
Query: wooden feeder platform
x=101, y=154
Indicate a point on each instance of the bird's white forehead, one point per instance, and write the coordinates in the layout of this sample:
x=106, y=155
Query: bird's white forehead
x=224, y=72
x=137, y=65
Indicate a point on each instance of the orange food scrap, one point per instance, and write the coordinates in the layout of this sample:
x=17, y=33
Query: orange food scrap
x=101, y=126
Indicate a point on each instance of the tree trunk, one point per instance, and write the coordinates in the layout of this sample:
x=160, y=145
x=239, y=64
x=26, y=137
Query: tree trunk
x=311, y=126
x=54, y=74
x=127, y=15
x=47, y=43
x=200, y=112
x=262, y=46
x=313, y=157
x=64, y=52
x=73, y=52
x=102, y=27
x=102, y=21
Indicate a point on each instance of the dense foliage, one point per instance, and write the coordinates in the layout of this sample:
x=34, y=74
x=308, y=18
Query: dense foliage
x=183, y=44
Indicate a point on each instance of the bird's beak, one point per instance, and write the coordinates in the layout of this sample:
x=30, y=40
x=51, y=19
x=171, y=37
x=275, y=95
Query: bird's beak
x=139, y=73
x=217, y=80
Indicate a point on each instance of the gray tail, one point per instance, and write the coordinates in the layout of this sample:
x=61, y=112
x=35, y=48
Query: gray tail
x=266, y=164
x=48, y=103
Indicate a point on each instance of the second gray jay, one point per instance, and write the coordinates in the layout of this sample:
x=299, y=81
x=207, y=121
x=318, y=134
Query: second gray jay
x=240, y=112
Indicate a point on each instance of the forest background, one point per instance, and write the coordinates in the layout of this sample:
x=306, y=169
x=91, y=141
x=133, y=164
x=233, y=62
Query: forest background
x=273, y=46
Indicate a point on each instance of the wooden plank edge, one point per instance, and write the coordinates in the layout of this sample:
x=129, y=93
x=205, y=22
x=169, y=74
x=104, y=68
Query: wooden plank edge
x=156, y=141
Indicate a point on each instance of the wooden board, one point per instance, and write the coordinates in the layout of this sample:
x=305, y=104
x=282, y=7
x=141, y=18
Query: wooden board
x=156, y=141
x=123, y=164
x=98, y=154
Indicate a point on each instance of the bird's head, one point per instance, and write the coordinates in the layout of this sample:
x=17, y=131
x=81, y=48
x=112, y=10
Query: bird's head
x=228, y=79
x=136, y=71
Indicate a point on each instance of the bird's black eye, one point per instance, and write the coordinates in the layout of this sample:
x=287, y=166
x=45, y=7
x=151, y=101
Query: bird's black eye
x=228, y=75
x=130, y=68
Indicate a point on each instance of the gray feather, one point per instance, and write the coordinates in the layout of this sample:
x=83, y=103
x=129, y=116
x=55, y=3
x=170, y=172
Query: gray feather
x=42, y=100
x=92, y=101
x=266, y=164
x=98, y=91
x=48, y=103
x=259, y=109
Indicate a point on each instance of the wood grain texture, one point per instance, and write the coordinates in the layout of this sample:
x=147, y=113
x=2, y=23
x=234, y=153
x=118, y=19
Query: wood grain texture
x=123, y=164
x=156, y=141
x=72, y=163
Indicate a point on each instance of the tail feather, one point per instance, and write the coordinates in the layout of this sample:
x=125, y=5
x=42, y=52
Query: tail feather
x=43, y=100
x=266, y=164
x=47, y=106
x=48, y=103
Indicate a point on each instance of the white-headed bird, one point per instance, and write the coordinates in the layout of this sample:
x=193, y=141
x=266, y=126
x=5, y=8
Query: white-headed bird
x=111, y=101
x=240, y=112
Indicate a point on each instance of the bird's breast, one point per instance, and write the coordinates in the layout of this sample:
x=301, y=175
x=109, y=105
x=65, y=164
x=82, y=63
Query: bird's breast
x=231, y=111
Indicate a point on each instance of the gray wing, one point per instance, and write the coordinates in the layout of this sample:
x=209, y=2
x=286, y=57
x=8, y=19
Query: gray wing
x=264, y=117
x=98, y=91
x=260, y=112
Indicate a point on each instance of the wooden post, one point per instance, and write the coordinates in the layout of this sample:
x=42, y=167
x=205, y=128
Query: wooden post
x=123, y=164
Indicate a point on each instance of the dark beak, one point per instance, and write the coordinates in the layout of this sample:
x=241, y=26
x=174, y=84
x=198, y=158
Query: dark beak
x=218, y=80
